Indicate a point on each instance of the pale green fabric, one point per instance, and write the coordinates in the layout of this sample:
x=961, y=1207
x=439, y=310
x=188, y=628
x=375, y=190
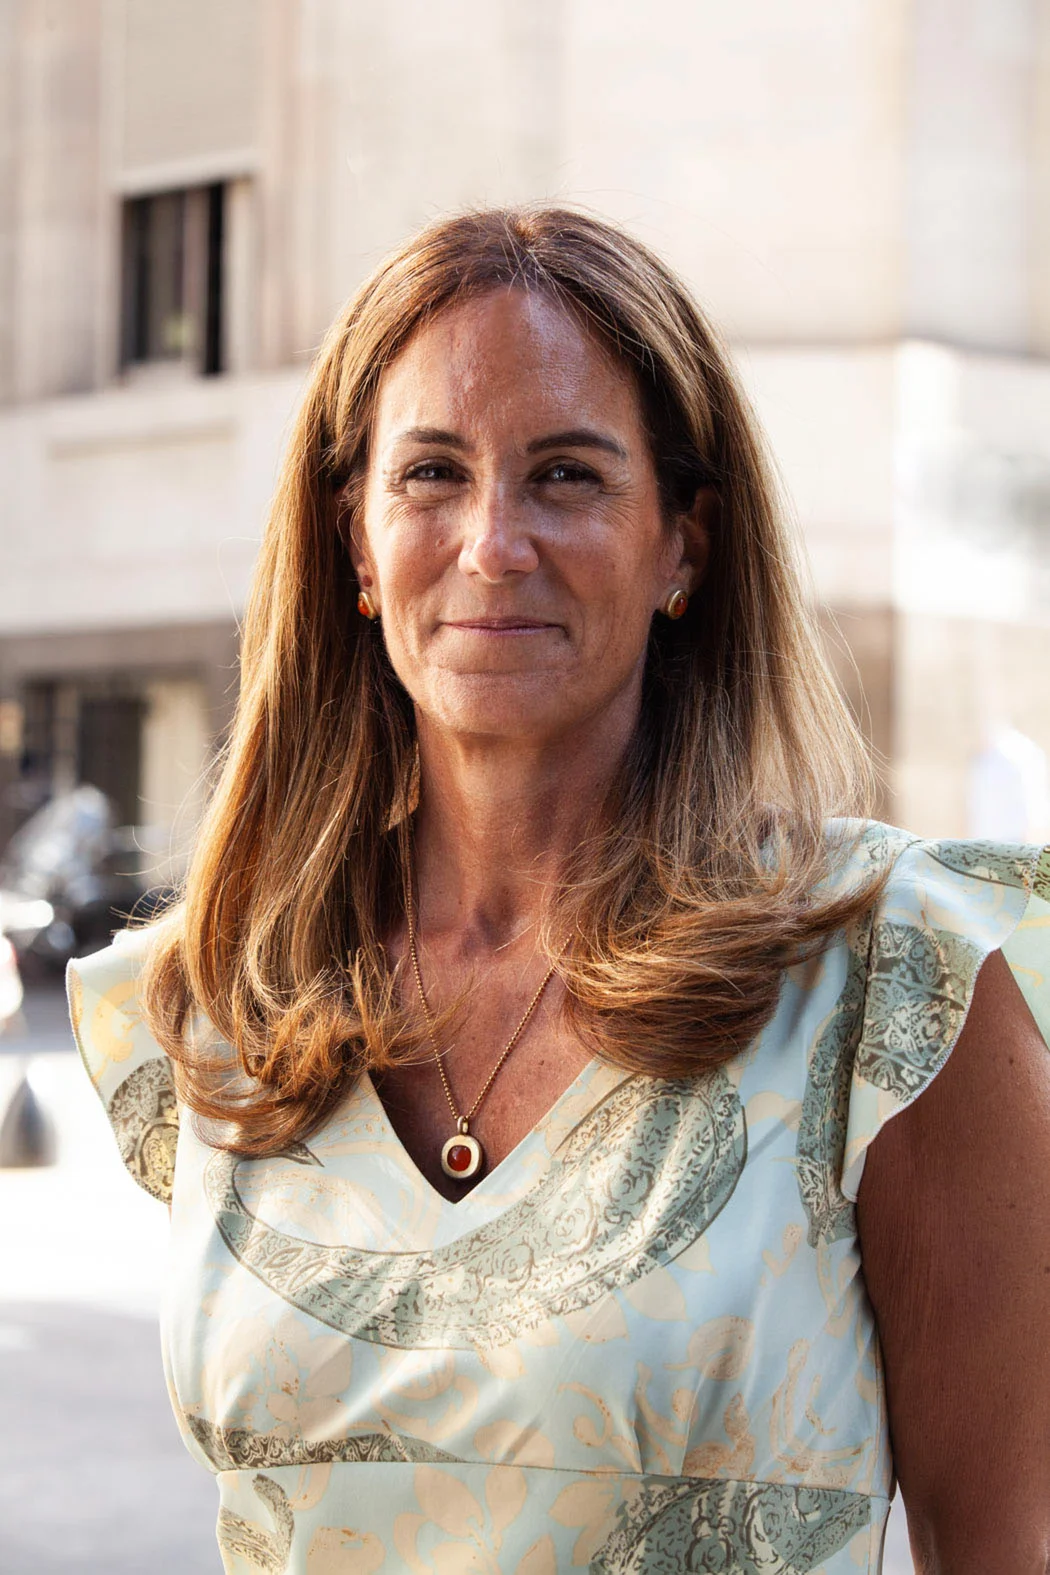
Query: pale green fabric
x=642, y=1343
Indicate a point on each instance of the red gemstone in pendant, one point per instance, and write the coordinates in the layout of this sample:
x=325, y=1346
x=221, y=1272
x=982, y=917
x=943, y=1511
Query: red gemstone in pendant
x=462, y=1157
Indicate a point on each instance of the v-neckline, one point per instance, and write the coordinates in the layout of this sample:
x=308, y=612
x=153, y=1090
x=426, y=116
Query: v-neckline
x=511, y=1161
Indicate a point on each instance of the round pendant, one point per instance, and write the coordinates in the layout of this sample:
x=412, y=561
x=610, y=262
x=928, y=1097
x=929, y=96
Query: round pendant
x=462, y=1157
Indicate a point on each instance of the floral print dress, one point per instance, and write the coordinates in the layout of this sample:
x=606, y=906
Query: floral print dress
x=641, y=1343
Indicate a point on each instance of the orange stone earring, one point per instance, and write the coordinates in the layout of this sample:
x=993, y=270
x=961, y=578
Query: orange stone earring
x=367, y=607
x=676, y=604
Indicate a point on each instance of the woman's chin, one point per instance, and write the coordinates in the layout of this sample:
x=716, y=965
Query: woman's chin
x=499, y=707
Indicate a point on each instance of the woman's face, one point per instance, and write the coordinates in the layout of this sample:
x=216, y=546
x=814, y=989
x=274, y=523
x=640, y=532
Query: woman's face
x=511, y=532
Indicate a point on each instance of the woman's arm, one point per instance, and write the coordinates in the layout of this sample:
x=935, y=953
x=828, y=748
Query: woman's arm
x=954, y=1224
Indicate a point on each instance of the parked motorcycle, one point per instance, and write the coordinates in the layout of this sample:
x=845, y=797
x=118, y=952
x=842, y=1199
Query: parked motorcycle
x=68, y=878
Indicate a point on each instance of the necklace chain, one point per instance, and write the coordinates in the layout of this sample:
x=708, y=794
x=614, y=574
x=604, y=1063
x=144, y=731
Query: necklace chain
x=463, y=1121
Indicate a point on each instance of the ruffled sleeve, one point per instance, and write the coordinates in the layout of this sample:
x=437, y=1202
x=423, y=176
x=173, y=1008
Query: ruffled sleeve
x=130, y=1072
x=945, y=907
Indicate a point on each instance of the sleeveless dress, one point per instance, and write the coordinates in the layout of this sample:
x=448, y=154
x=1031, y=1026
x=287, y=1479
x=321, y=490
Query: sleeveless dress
x=642, y=1343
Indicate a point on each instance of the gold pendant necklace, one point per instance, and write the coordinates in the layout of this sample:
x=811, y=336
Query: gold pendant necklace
x=462, y=1156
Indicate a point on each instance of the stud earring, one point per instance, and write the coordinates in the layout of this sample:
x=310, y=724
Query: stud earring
x=676, y=604
x=367, y=607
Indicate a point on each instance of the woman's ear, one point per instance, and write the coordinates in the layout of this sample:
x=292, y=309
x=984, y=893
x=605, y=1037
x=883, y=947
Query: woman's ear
x=697, y=526
x=350, y=529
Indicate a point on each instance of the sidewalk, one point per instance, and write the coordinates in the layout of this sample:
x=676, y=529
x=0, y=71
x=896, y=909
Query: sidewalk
x=93, y=1475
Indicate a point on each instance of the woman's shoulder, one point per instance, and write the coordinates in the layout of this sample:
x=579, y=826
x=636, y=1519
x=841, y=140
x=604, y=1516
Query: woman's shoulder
x=941, y=906
x=104, y=1007
x=967, y=892
x=118, y=963
x=865, y=848
x=129, y=1070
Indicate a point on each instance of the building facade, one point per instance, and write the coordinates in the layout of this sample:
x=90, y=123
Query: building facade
x=860, y=194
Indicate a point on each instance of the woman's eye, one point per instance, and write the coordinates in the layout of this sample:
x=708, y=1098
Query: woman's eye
x=432, y=470
x=567, y=473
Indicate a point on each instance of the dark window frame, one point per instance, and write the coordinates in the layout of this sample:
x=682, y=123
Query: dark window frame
x=173, y=278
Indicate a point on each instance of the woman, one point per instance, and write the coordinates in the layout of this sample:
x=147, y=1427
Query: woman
x=523, y=1226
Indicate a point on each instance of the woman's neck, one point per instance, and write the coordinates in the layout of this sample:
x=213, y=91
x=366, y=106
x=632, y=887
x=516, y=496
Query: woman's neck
x=495, y=825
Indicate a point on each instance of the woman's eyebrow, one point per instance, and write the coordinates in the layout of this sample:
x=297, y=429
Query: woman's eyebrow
x=578, y=437
x=434, y=435
x=574, y=437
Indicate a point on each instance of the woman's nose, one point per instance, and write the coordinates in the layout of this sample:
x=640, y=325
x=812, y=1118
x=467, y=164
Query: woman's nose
x=496, y=537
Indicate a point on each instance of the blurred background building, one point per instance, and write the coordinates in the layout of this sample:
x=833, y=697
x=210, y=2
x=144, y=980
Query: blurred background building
x=860, y=193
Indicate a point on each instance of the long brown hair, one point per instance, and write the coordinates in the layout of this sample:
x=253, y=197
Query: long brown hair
x=702, y=879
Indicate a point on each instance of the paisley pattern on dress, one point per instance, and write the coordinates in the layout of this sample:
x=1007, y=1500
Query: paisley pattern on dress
x=145, y=1118
x=1041, y=878
x=990, y=861
x=641, y=1343
x=262, y=1550
x=825, y=1111
x=919, y=985
x=661, y=1159
x=238, y=1448
x=747, y=1527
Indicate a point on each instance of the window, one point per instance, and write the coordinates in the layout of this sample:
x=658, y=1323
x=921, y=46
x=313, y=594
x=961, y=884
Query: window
x=172, y=287
x=86, y=730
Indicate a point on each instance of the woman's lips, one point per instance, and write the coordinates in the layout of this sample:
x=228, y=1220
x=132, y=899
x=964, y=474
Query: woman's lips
x=500, y=625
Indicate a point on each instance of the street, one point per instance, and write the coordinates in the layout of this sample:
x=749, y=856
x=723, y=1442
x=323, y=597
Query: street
x=93, y=1475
